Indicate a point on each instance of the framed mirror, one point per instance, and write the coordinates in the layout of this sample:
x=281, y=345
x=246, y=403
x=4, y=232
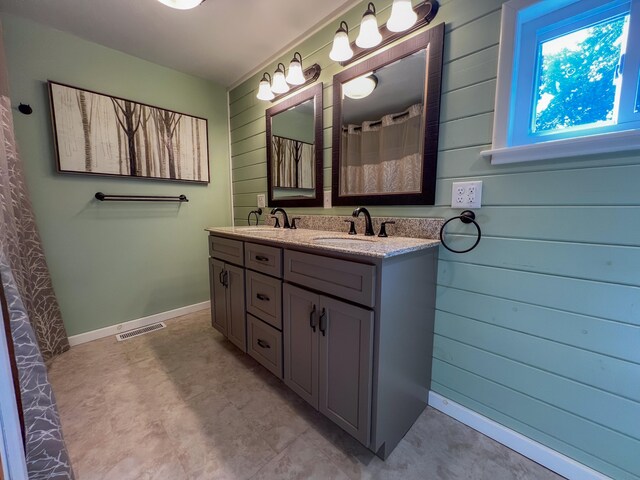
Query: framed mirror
x=386, y=114
x=294, y=150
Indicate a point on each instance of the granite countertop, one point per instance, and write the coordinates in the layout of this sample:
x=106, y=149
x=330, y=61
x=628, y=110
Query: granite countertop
x=329, y=241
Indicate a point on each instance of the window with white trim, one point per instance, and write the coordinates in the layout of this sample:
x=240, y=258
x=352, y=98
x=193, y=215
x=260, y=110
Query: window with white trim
x=568, y=79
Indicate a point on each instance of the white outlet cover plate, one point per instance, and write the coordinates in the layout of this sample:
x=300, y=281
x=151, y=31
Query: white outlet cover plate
x=260, y=199
x=327, y=199
x=466, y=194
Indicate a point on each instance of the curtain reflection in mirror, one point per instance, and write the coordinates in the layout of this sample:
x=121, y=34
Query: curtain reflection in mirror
x=383, y=156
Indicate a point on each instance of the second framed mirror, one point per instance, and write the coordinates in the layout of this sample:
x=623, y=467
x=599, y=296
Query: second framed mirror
x=386, y=113
x=294, y=150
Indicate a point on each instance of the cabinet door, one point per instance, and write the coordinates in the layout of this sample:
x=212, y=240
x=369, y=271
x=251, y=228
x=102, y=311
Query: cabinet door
x=345, y=337
x=236, y=318
x=218, y=296
x=300, y=309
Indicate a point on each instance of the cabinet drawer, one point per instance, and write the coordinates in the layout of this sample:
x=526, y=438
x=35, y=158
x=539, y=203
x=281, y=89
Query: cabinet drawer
x=264, y=298
x=226, y=249
x=342, y=278
x=265, y=345
x=263, y=259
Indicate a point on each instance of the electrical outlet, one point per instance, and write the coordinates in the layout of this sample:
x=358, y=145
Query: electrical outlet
x=261, y=200
x=327, y=199
x=466, y=194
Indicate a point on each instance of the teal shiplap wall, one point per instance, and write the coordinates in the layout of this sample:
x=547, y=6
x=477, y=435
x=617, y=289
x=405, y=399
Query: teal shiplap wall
x=112, y=262
x=539, y=327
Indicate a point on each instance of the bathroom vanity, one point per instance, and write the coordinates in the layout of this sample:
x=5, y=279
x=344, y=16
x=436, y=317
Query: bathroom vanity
x=346, y=322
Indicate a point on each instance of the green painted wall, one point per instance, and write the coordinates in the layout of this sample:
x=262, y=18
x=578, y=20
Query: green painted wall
x=294, y=125
x=114, y=262
x=539, y=327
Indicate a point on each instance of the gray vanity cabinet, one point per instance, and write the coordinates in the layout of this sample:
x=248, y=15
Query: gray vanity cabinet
x=328, y=347
x=227, y=295
x=351, y=334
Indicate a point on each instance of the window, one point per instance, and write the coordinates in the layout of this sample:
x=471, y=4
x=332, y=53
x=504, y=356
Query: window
x=568, y=80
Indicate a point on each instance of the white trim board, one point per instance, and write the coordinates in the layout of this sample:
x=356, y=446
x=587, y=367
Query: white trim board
x=549, y=458
x=140, y=322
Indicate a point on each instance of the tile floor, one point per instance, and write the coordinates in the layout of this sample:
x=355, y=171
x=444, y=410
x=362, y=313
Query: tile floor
x=183, y=403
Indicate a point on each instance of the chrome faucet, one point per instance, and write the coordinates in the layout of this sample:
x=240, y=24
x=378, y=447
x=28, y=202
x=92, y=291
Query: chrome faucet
x=285, y=218
x=368, y=229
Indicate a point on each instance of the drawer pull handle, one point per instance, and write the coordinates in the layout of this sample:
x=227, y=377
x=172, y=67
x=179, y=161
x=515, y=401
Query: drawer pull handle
x=262, y=258
x=323, y=322
x=263, y=344
x=262, y=297
x=312, y=322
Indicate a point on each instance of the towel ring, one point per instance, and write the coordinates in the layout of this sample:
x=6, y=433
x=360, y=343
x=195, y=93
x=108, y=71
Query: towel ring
x=465, y=217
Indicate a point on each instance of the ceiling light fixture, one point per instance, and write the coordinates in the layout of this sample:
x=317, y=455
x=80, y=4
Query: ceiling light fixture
x=295, y=75
x=360, y=87
x=264, y=89
x=403, y=17
x=369, y=35
x=279, y=83
x=341, y=49
x=181, y=4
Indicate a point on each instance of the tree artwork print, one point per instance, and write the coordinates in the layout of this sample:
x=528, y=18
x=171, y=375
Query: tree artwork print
x=105, y=135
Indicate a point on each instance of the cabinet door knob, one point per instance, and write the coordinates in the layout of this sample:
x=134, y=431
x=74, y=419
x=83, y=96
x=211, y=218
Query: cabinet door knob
x=323, y=322
x=263, y=344
x=262, y=258
x=261, y=296
x=312, y=322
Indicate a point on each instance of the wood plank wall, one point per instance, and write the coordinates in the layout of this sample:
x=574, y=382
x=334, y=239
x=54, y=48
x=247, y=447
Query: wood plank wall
x=539, y=327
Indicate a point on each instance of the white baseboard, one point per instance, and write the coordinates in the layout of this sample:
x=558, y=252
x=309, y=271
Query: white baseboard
x=555, y=461
x=140, y=322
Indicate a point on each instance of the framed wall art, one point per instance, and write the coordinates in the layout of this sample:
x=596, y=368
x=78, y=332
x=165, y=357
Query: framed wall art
x=100, y=134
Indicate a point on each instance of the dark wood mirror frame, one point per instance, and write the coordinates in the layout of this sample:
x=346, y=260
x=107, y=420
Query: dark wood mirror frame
x=434, y=39
x=313, y=93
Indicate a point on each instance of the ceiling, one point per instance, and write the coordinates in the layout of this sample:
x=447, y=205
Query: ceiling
x=221, y=40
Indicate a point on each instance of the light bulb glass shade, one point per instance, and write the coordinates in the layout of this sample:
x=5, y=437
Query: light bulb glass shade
x=181, y=4
x=264, y=89
x=279, y=83
x=295, y=76
x=403, y=17
x=360, y=87
x=341, y=49
x=369, y=35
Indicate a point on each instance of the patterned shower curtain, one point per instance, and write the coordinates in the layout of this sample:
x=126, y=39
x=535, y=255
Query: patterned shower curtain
x=19, y=238
x=383, y=156
x=35, y=322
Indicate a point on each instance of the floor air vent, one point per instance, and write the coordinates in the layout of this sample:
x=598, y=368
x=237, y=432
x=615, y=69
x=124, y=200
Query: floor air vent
x=140, y=331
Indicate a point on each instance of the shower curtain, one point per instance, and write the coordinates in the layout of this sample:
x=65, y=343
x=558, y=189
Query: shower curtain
x=383, y=156
x=19, y=238
x=35, y=322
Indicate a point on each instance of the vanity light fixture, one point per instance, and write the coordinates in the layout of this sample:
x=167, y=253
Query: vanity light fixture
x=279, y=82
x=369, y=35
x=403, y=17
x=341, y=50
x=295, y=75
x=264, y=89
x=360, y=87
x=404, y=20
x=181, y=4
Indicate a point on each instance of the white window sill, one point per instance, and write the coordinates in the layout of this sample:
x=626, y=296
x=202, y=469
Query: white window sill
x=570, y=147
